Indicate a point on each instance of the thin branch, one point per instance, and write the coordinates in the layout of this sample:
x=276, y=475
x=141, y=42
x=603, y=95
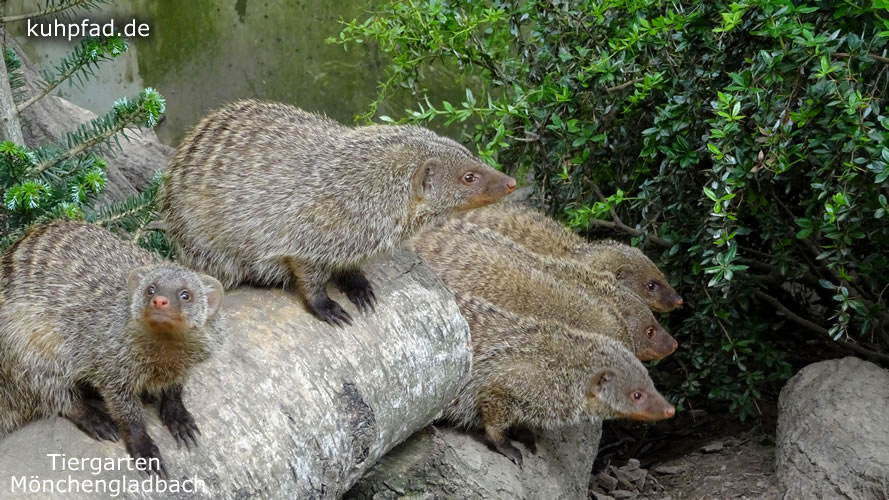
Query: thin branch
x=44, y=12
x=49, y=88
x=850, y=346
x=884, y=60
x=80, y=148
x=624, y=85
x=620, y=226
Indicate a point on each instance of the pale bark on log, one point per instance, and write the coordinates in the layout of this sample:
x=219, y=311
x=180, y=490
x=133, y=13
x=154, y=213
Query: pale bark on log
x=291, y=407
x=444, y=463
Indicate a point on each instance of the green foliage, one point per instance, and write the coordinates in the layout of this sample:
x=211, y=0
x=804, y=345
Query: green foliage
x=13, y=67
x=750, y=135
x=63, y=180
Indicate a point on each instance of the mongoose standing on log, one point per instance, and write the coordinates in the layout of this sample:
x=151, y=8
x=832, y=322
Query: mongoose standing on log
x=269, y=194
x=541, y=374
x=545, y=236
x=505, y=275
x=83, y=312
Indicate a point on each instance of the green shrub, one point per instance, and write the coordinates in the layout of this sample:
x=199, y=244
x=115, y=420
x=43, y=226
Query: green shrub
x=746, y=141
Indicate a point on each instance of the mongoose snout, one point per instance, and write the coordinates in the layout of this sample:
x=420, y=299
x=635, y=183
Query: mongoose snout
x=661, y=344
x=651, y=407
x=497, y=185
x=163, y=311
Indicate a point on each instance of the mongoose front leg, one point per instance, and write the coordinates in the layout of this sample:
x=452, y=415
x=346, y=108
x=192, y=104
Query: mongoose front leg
x=93, y=421
x=310, y=282
x=126, y=410
x=497, y=436
x=494, y=410
x=525, y=436
x=357, y=287
x=178, y=419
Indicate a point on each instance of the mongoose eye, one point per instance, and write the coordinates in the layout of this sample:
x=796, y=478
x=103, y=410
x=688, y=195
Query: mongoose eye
x=650, y=332
x=651, y=286
x=469, y=177
x=619, y=275
x=151, y=290
x=637, y=396
x=185, y=295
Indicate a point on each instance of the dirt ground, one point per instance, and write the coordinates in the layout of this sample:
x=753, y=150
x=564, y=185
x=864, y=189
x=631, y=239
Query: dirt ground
x=697, y=456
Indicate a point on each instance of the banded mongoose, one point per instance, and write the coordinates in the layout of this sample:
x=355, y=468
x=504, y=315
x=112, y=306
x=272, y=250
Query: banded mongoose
x=542, y=374
x=269, y=194
x=543, y=235
x=82, y=311
x=470, y=264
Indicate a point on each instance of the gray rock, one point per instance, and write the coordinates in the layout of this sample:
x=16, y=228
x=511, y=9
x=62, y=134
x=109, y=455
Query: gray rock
x=833, y=431
x=713, y=447
x=447, y=463
x=294, y=408
x=668, y=470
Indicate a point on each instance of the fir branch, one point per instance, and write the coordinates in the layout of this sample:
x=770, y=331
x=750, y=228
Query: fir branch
x=83, y=146
x=131, y=208
x=87, y=54
x=73, y=4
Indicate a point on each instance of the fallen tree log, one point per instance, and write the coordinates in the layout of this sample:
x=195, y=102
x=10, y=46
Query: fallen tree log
x=447, y=463
x=291, y=407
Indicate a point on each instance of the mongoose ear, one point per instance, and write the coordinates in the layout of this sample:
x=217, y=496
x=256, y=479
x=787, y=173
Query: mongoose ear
x=600, y=383
x=135, y=277
x=215, y=294
x=421, y=178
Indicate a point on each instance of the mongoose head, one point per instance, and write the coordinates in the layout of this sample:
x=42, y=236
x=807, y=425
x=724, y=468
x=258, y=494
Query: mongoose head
x=172, y=301
x=623, y=389
x=451, y=179
x=637, y=272
x=650, y=340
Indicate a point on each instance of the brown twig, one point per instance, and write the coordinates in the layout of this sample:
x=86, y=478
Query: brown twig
x=845, y=344
x=624, y=85
x=620, y=226
x=884, y=60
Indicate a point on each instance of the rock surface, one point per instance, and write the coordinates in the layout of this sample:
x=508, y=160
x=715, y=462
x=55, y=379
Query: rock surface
x=293, y=408
x=447, y=463
x=833, y=431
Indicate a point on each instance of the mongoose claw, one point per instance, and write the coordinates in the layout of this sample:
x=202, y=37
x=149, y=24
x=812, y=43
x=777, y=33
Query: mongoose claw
x=526, y=437
x=509, y=451
x=363, y=299
x=358, y=289
x=179, y=422
x=149, y=452
x=326, y=309
x=94, y=422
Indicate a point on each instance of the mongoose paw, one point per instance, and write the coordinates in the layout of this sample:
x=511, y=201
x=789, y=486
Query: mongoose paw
x=94, y=421
x=526, y=437
x=509, y=451
x=146, y=449
x=326, y=309
x=181, y=424
x=358, y=289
